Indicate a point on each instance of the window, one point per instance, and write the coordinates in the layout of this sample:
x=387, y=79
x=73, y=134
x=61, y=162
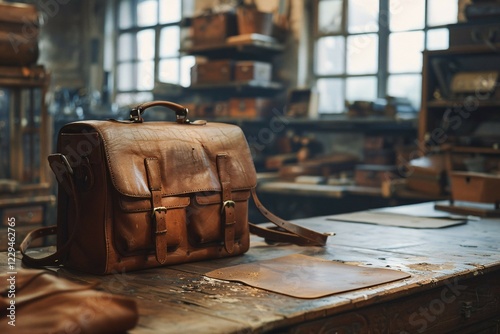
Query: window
x=366, y=49
x=147, y=47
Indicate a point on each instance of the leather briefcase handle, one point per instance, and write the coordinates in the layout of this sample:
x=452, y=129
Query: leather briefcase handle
x=181, y=112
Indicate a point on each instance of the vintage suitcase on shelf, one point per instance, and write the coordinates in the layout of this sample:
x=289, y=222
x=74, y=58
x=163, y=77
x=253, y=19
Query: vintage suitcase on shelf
x=250, y=107
x=135, y=194
x=214, y=71
x=253, y=21
x=19, y=31
x=213, y=28
x=252, y=70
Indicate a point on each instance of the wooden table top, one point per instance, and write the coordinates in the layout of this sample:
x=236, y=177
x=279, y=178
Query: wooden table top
x=181, y=299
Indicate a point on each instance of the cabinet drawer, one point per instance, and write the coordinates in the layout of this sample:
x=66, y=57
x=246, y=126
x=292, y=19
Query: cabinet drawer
x=26, y=215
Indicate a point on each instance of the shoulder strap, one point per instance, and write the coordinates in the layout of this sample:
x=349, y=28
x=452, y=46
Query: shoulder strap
x=290, y=233
x=61, y=168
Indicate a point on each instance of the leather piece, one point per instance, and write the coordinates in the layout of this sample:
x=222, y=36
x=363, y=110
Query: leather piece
x=178, y=147
x=306, y=277
x=306, y=237
x=46, y=303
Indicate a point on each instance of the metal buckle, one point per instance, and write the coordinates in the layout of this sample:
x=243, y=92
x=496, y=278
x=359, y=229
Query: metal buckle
x=159, y=208
x=66, y=163
x=135, y=115
x=229, y=204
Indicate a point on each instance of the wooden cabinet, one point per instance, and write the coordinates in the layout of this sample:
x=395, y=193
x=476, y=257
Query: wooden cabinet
x=25, y=141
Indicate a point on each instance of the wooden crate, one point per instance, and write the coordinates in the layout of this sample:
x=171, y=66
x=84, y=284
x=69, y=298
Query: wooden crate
x=252, y=70
x=253, y=107
x=475, y=187
x=215, y=71
x=213, y=28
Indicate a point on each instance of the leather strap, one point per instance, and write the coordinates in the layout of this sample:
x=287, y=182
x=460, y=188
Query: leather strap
x=159, y=212
x=228, y=206
x=61, y=168
x=292, y=233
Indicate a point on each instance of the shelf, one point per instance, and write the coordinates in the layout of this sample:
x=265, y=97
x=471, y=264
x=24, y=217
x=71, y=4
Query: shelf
x=14, y=76
x=475, y=150
x=455, y=103
x=370, y=125
x=248, y=87
x=243, y=50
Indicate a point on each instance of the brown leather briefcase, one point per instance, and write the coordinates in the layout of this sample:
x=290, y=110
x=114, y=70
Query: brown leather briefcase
x=136, y=194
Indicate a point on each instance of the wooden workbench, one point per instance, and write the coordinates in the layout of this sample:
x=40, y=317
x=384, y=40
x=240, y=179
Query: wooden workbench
x=454, y=286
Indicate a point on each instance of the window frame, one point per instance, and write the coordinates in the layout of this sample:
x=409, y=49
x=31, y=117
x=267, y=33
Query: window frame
x=383, y=33
x=134, y=29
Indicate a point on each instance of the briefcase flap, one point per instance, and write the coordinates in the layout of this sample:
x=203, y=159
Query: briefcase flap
x=187, y=155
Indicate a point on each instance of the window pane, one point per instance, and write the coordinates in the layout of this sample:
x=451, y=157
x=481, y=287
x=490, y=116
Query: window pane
x=407, y=14
x=169, y=70
x=330, y=16
x=331, y=96
x=146, y=44
x=186, y=64
x=147, y=13
x=441, y=12
x=125, y=76
x=330, y=55
x=170, y=11
x=406, y=85
x=145, y=75
x=125, y=47
x=188, y=8
x=438, y=39
x=405, y=52
x=361, y=88
x=169, y=41
x=362, y=54
x=127, y=99
x=362, y=16
x=125, y=14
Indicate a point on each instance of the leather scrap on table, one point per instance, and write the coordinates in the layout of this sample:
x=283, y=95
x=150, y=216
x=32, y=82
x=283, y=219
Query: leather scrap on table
x=306, y=277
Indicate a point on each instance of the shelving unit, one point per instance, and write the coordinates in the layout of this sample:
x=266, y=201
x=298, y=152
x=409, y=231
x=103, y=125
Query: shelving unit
x=25, y=141
x=239, y=50
x=455, y=118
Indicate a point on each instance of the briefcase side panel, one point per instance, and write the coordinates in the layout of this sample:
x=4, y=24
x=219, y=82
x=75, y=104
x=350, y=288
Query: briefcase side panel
x=85, y=156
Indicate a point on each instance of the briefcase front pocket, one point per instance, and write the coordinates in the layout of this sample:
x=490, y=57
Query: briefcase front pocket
x=204, y=216
x=134, y=228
